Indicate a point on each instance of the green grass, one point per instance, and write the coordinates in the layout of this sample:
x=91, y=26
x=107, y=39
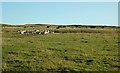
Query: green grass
x=60, y=51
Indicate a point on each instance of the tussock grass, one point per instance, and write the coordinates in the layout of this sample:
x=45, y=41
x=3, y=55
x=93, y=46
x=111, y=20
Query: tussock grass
x=66, y=50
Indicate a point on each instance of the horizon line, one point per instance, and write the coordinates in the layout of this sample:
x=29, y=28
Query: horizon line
x=65, y=24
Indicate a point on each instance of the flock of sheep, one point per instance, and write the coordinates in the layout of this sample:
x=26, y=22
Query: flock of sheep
x=35, y=31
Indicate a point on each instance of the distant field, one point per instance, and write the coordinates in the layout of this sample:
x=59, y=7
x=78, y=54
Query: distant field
x=68, y=49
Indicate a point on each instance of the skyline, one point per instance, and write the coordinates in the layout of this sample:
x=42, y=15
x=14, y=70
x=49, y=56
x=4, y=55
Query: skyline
x=98, y=13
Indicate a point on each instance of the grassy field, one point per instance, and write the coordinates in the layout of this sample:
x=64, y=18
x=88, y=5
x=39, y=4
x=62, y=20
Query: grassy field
x=69, y=49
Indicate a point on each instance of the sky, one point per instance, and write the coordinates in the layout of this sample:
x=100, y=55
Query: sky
x=59, y=0
x=93, y=13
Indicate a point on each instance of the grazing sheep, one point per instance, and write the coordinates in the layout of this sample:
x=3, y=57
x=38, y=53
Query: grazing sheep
x=46, y=31
x=36, y=31
x=51, y=31
x=22, y=32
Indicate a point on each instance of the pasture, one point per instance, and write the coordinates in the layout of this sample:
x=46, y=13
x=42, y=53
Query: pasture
x=68, y=49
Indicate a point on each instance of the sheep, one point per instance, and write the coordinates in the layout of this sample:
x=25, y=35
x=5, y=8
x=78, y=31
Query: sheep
x=50, y=31
x=22, y=32
x=36, y=31
x=46, y=31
